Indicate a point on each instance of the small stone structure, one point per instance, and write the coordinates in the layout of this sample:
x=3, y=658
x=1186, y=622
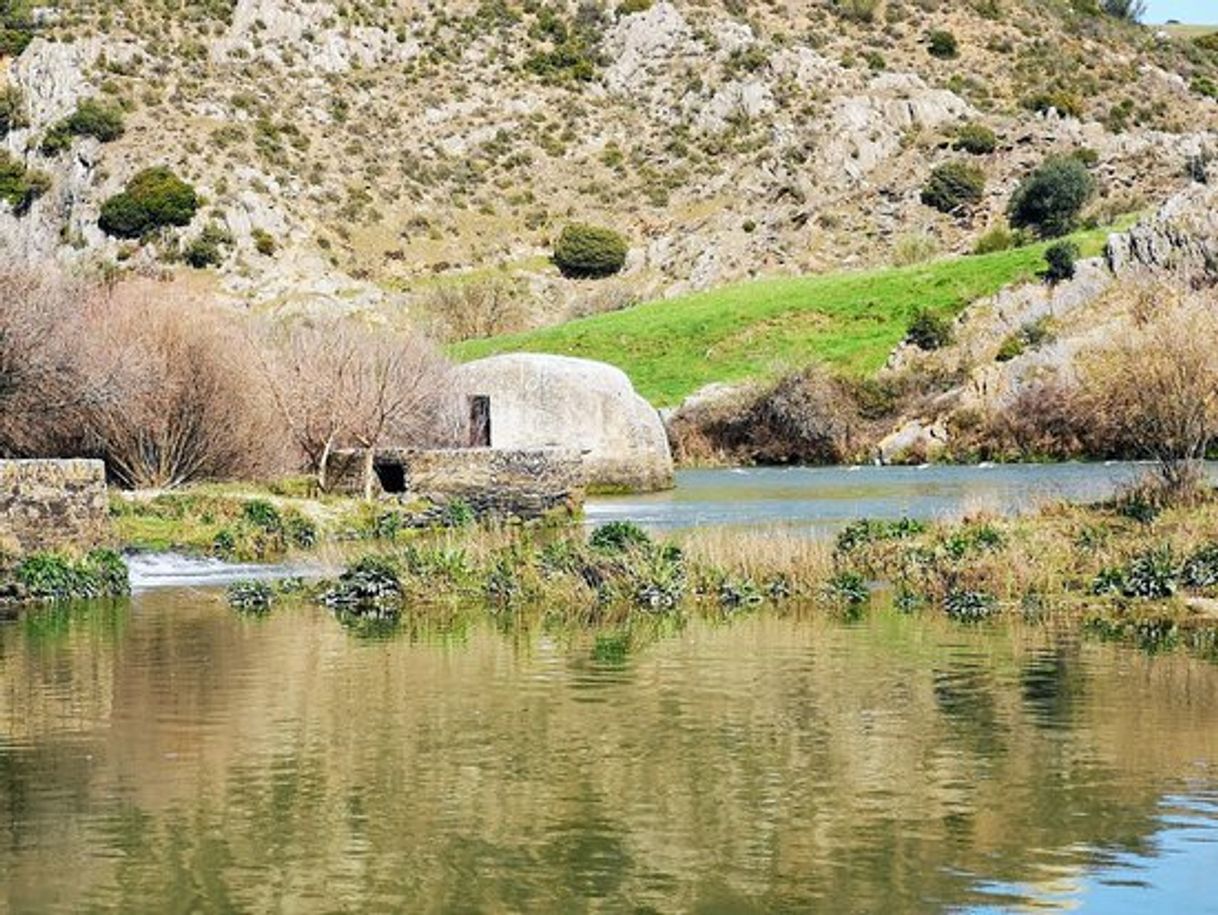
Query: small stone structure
x=530, y=400
x=492, y=482
x=47, y=504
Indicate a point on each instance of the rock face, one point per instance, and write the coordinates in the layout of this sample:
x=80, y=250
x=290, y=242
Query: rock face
x=540, y=401
x=1181, y=238
x=49, y=505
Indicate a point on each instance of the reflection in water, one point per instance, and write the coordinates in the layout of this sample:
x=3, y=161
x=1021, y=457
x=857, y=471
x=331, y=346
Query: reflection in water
x=823, y=499
x=168, y=755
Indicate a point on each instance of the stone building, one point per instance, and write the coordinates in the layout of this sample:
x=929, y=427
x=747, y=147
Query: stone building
x=525, y=401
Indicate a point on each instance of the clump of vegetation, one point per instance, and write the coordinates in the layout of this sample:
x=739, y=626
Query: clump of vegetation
x=207, y=249
x=153, y=199
x=999, y=238
x=584, y=251
x=12, y=111
x=954, y=187
x=1060, y=258
x=943, y=44
x=1031, y=335
x=20, y=186
x=57, y=577
x=91, y=118
x=16, y=26
x=975, y=139
x=929, y=331
x=250, y=596
x=1049, y=200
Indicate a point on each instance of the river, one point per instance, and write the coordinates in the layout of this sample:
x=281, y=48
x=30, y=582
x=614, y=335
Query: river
x=822, y=499
x=165, y=754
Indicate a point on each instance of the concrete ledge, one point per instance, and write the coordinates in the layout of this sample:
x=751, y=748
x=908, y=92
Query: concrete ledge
x=48, y=504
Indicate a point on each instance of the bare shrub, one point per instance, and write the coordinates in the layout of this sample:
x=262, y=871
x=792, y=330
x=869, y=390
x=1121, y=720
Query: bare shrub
x=171, y=392
x=1157, y=390
x=808, y=416
x=346, y=382
x=159, y=385
x=39, y=377
x=478, y=308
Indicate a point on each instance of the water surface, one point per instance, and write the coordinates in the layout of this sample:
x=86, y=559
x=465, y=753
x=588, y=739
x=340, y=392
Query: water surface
x=167, y=755
x=823, y=499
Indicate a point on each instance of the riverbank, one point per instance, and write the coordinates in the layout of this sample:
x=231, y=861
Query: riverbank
x=1123, y=569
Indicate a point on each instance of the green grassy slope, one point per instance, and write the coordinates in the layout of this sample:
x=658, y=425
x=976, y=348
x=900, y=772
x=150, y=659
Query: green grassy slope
x=671, y=348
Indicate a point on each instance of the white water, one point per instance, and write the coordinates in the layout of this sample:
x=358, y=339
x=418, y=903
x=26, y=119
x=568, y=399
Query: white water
x=173, y=570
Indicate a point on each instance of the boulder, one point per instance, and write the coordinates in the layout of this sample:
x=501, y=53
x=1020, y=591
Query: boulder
x=542, y=401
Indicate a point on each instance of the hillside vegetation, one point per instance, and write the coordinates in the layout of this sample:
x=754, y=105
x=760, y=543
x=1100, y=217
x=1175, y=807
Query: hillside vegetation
x=373, y=152
x=850, y=320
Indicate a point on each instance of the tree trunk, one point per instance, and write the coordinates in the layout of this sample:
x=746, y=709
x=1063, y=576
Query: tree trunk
x=323, y=465
x=369, y=454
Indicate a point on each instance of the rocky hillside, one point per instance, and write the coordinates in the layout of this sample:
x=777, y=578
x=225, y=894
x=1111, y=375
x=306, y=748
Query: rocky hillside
x=373, y=151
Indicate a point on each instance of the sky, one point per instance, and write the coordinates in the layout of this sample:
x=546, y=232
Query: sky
x=1202, y=11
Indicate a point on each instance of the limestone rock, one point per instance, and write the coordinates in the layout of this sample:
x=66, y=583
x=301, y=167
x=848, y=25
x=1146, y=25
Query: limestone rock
x=1181, y=238
x=542, y=401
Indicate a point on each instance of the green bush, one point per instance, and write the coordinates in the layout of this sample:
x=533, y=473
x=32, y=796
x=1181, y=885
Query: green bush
x=12, y=111
x=976, y=139
x=942, y=44
x=590, y=251
x=58, y=577
x=954, y=187
x=154, y=198
x=999, y=238
x=264, y=242
x=16, y=26
x=90, y=119
x=1049, y=200
x=207, y=250
x=629, y=7
x=20, y=186
x=1060, y=258
x=1063, y=101
x=929, y=331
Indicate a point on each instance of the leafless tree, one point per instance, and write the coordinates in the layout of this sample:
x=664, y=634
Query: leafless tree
x=347, y=382
x=1157, y=388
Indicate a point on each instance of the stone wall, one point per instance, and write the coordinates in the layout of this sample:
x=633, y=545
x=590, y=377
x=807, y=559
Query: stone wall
x=493, y=482
x=46, y=505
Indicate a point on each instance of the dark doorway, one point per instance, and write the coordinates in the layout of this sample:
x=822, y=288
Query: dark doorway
x=392, y=475
x=480, y=421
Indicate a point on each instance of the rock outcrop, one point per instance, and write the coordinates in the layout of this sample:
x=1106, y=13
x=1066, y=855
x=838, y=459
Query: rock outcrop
x=1181, y=239
x=542, y=401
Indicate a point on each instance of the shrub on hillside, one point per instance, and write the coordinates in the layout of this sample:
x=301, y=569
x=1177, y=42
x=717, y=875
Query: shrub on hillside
x=207, y=249
x=999, y=238
x=954, y=187
x=590, y=251
x=12, y=111
x=857, y=10
x=630, y=7
x=16, y=26
x=90, y=119
x=154, y=198
x=976, y=139
x=1049, y=200
x=942, y=44
x=1059, y=260
x=929, y=331
x=20, y=186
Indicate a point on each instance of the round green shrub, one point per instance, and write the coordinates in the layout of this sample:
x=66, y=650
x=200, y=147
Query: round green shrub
x=954, y=187
x=976, y=139
x=1060, y=258
x=152, y=199
x=943, y=44
x=1049, y=200
x=928, y=331
x=20, y=186
x=590, y=251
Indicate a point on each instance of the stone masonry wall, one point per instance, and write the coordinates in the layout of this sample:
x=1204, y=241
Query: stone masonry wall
x=493, y=482
x=47, y=505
